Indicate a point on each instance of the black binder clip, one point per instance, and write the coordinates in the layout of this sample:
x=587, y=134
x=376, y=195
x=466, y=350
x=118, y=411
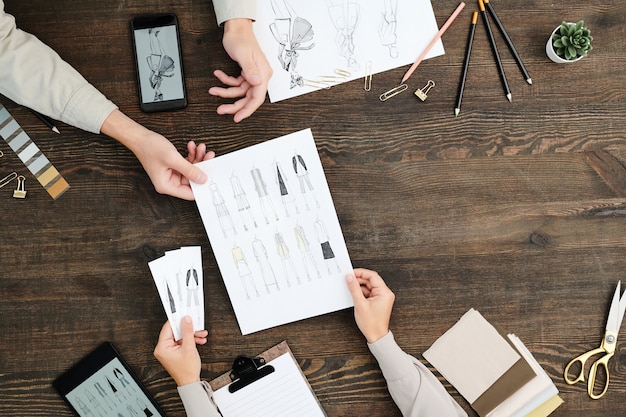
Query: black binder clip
x=247, y=370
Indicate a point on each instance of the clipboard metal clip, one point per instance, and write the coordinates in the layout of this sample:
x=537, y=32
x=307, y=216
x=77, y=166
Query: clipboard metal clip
x=247, y=370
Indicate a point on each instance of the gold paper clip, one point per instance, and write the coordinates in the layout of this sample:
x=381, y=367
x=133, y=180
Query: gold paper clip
x=393, y=92
x=368, y=76
x=421, y=92
x=329, y=79
x=315, y=84
x=20, y=192
x=342, y=73
x=4, y=181
x=1, y=154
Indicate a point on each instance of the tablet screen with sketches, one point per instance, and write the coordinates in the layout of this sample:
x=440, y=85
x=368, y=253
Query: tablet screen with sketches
x=270, y=218
x=102, y=384
x=304, y=40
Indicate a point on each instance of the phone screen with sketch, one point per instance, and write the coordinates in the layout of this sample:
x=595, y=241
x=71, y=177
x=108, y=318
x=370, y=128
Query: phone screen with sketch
x=159, y=64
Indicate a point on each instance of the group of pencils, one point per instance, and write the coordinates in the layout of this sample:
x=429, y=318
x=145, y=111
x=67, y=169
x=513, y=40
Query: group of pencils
x=505, y=85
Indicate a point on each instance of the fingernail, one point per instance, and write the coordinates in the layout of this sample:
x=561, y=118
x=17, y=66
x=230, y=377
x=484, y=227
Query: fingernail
x=201, y=178
x=187, y=319
x=349, y=278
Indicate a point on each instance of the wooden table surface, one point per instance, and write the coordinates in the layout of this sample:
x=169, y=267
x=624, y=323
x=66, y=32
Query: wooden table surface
x=515, y=209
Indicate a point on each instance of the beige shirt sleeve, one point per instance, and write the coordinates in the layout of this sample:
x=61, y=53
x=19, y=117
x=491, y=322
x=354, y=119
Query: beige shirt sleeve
x=415, y=390
x=234, y=9
x=197, y=398
x=33, y=75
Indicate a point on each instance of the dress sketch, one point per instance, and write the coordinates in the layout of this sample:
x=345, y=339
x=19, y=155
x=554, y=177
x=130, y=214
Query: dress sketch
x=192, y=283
x=118, y=393
x=260, y=253
x=299, y=167
x=122, y=379
x=264, y=198
x=104, y=395
x=83, y=407
x=243, y=205
x=286, y=197
x=388, y=27
x=223, y=215
x=305, y=252
x=324, y=240
x=345, y=17
x=132, y=411
x=170, y=298
x=244, y=271
x=95, y=404
x=160, y=64
x=283, y=252
x=293, y=34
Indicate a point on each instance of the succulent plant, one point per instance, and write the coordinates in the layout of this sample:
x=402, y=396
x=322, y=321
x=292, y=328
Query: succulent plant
x=572, y=40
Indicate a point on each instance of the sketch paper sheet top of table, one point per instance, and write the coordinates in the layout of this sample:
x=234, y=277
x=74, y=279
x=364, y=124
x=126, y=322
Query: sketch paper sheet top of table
x=306, y=39
x=270, y=218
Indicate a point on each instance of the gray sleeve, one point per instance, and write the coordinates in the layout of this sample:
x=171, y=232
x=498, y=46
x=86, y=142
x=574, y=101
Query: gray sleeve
x=234, y=9
x=33, y=75
x=198, y=400
x=415, y=390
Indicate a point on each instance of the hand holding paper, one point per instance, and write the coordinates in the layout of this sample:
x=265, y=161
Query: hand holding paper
x=180, y=359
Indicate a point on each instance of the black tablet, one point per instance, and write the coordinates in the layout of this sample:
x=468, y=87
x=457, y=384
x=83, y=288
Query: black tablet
x=102, y=384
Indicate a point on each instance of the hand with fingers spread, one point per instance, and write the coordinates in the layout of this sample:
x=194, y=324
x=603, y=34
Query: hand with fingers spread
x=373, y=302
x=251, y=86
x=181, y=359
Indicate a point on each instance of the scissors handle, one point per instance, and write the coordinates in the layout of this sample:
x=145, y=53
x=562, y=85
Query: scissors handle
x=603, y=361
x=582, y=359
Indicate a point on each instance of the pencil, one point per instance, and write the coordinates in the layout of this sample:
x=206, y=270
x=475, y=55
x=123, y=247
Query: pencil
x=494, y=49
x=46, y=120
x=468, y=50
x=433, y=42
x=509, y=42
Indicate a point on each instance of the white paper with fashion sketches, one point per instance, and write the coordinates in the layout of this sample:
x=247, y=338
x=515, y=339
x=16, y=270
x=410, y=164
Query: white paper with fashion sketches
x=304, y=40
x=271, y=221
x=178, y=278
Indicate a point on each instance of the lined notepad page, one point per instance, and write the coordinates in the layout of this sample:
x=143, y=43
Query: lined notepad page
x=283, y=393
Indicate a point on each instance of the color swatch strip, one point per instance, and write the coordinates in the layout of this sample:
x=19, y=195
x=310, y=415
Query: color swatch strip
x=36, y=162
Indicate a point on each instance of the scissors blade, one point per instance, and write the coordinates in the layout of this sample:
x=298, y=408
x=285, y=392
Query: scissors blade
x=616, y=312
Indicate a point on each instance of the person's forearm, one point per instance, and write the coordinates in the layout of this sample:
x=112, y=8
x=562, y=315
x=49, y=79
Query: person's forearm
x=125, y=130
x=34, y=75
x=197, y=398
x=234, y=9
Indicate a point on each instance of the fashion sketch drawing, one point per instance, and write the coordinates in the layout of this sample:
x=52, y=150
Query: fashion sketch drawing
x=160, y=64
x=247, y=281
x=299, y=167
x=283, y=252
x=345, y=17
x=293, y=34
x=264, y=198
x=223, y=215
x=260, y=253
x=286, y=197
x=388, y=27
x=243, y=205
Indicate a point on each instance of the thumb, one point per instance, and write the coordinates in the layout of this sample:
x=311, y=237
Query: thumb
x=189, y=170
x=355, y=288
x=186, y=329
x=250, y=71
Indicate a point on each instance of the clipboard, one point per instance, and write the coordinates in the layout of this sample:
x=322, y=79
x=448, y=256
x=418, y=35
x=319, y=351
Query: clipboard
x=273, y=376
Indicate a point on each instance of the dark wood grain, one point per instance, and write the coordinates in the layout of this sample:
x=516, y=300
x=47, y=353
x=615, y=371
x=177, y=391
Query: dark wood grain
x=515, y=209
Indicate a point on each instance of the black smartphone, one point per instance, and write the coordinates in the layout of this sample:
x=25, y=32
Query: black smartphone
x=158, y=57
x=102, y=384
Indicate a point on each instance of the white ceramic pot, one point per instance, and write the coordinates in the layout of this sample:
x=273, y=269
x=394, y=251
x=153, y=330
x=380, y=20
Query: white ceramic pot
x=552, y=54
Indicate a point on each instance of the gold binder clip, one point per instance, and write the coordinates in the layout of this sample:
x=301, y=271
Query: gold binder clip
x=4, y=181
x=20, y=192
x=422, y=92
x=393, y=92
x=368, y=76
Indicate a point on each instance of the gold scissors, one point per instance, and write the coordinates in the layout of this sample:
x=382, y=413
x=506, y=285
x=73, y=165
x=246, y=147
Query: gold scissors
x=609, y=342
